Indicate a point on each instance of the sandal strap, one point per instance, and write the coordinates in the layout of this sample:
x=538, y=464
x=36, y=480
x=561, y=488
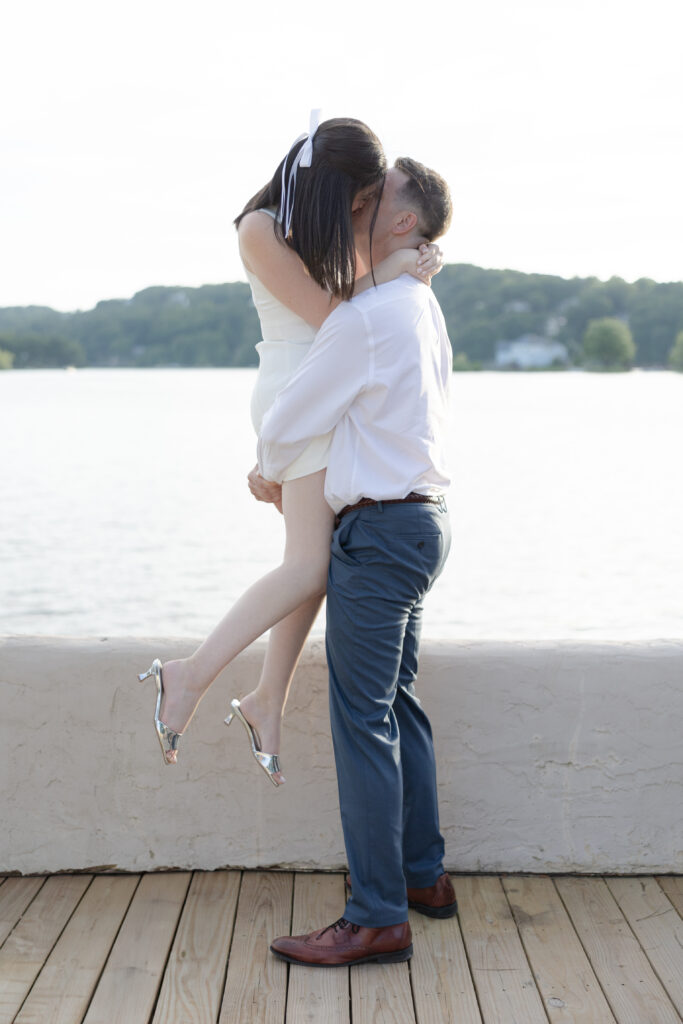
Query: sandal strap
x=269, y=762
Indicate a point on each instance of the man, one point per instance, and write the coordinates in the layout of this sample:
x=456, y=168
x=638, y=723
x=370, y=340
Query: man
x=378, y=373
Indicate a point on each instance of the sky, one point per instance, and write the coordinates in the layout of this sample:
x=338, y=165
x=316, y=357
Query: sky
x=132, y=133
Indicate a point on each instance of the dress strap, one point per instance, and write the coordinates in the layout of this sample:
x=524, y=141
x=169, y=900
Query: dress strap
x=271, y=213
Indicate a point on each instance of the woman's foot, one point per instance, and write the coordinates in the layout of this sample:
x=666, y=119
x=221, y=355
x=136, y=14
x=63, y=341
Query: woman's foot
x=266, y=721
x=181, y=695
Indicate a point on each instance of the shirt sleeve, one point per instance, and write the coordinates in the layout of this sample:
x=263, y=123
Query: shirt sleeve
x=334, y=371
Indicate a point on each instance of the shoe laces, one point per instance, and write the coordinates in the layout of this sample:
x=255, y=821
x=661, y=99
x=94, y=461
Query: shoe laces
x=340, y=925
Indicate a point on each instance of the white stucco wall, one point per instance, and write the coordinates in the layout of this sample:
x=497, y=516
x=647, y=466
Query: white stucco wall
x=551, y=757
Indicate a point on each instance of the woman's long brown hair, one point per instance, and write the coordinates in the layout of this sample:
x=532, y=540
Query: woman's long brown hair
x=347, y=157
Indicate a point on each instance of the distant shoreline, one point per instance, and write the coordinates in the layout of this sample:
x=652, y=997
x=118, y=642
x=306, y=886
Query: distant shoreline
x=495, y=319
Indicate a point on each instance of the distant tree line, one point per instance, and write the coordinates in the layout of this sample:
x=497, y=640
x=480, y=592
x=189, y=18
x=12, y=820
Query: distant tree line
x=216, y=325
x=485, y=307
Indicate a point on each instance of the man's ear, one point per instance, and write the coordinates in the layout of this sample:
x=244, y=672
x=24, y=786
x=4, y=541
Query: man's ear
x=404, y=222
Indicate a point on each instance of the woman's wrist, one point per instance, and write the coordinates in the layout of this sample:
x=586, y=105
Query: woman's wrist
x=404, y=261
x=401, y=261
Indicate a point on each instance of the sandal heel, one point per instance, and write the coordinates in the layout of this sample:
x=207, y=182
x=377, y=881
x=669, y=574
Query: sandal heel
x=268, y=762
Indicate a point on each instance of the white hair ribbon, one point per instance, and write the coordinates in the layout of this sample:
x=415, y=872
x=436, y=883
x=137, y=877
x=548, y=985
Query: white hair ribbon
x=302, y=159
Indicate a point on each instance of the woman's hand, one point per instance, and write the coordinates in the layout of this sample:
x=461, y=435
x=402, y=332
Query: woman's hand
x=422, y=263
x=265, y=490
x=429, y=262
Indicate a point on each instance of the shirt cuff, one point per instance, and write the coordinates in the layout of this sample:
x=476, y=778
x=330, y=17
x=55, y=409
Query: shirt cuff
x=267, y=463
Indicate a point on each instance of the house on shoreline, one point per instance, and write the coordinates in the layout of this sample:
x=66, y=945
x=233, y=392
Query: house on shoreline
x=530, y=352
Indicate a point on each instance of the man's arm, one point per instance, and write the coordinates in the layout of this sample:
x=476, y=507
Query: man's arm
x=333, y=373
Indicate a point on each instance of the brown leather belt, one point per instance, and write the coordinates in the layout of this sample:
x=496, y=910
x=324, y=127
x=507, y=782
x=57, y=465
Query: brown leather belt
x=413, y=498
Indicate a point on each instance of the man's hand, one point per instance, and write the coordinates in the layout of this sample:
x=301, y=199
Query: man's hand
x=265, y=490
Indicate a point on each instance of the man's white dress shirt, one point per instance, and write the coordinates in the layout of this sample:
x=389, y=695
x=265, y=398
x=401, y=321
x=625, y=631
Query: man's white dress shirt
x=378, y=373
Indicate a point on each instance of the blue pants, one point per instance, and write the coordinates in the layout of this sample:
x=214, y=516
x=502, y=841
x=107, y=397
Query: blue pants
x=384, y=560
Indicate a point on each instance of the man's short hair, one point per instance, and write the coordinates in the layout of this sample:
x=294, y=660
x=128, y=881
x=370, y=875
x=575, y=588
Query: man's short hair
x=427, y=193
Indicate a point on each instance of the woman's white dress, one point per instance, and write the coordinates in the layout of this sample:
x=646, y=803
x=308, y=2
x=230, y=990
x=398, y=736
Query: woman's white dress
x=286, y=340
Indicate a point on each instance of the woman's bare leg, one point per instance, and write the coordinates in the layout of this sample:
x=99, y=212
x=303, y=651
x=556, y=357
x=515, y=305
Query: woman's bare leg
x=264, y=707
x=301, y=576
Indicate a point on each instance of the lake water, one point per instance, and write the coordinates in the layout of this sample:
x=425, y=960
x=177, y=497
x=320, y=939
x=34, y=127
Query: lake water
x=124, y=508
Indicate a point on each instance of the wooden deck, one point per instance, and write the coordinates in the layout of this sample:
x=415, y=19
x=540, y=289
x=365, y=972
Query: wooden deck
x=193, y=947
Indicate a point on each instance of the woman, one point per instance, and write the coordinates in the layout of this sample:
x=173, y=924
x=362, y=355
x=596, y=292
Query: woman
x=296, y=242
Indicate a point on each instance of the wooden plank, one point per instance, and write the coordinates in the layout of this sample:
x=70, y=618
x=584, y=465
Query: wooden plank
x=65, y=985
x=29, y=944
x=627, y=979
x=130, y=981
x=256, y=983
x=315, y=995
x=657, y=927
x=564, y=977
x=193, y=981
x=672, y=887
x=381, y=992
x=501, y=973
x=15, y=896
x=443, y=989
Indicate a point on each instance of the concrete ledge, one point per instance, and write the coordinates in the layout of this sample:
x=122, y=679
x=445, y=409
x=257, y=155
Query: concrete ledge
x=552, y=757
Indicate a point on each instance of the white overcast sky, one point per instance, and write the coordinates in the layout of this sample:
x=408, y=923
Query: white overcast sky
x=131, y=133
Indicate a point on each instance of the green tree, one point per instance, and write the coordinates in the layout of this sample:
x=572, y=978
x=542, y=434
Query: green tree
x=608, y=345
x=6, y=359
x=463, y=364
x=655, y=317
x=37, y=351
x=676, y=353
x=216, y=325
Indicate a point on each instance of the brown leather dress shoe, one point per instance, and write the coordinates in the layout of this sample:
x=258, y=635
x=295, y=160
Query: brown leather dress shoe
x=436, y=900
x=346, y=943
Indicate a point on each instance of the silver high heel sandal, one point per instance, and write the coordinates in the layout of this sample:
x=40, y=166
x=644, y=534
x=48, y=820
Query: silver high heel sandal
x=165, y=735
x=269, y=762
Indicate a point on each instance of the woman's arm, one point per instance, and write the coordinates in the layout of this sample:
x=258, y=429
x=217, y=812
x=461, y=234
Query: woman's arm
x=281, y=271
x=422, y=263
